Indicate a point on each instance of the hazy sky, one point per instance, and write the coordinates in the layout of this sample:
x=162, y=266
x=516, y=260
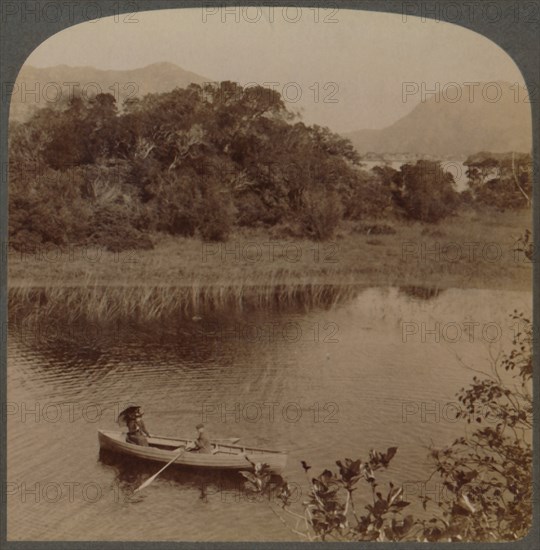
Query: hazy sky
x=360, y=61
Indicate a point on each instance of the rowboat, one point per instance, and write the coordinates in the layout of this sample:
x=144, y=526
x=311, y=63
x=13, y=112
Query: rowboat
x=225, y=455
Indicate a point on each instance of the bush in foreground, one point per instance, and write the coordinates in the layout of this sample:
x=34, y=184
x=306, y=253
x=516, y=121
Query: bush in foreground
x=486, y=474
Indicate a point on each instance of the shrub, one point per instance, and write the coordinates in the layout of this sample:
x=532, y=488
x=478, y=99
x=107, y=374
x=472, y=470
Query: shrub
x=113, y=229
x=425, y=192
x=215, y=216
x=173, y=203
x=369, y=197
x=47, y=208
x=501, y=180
x=321, y=214
x=252, y=212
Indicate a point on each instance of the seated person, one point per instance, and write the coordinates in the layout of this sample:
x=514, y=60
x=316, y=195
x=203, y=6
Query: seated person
x=202, y=443
x=137, y=433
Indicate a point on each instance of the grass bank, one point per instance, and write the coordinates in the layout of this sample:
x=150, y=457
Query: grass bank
x=470, y=250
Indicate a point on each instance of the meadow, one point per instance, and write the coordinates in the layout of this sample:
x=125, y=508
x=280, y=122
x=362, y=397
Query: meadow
x=259, y=268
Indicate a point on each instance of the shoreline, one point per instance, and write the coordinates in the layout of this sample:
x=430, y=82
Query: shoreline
x=473, y=250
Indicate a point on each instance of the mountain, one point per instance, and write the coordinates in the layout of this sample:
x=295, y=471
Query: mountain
x=435, y=127
x=440, y=128
x=36, y=87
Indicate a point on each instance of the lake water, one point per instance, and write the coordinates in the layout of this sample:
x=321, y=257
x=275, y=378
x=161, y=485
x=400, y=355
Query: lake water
x=324, y=384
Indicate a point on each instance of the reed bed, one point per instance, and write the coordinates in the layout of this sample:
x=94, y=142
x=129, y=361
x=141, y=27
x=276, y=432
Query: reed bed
x=145, y=303
x=183, y=276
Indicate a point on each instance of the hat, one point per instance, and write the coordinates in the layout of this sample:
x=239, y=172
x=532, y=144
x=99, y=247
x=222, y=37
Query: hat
x=127, y=414
x=199, y=426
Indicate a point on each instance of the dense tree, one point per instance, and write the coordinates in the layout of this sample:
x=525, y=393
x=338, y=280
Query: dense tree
x=424, y=191
x=205, y=159
x=500, y=180
x=370, y=194
x=191, y=161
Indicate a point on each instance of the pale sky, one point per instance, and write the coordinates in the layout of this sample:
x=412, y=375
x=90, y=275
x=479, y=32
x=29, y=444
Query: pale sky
x=362, y=60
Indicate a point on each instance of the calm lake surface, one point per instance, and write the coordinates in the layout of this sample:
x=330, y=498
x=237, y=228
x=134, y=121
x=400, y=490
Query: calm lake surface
x=324, y=384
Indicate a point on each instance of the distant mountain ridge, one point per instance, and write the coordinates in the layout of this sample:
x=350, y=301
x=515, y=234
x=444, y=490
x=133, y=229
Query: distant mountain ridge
x=434, y=128
x=440, y=128
x=36, y=87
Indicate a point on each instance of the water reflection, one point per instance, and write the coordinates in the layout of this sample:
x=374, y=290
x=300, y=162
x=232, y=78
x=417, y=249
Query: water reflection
x=346, y=372
x=420, y=292
x=129, y=473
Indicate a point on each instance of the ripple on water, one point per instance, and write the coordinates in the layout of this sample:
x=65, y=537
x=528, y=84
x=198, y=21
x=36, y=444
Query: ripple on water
x=332, y=394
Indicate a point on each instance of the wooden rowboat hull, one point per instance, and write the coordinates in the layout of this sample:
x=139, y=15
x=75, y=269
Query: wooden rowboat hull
x=226, y=457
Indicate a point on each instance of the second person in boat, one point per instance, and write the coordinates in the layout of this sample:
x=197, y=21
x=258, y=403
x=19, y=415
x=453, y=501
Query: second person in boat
x=202, y=443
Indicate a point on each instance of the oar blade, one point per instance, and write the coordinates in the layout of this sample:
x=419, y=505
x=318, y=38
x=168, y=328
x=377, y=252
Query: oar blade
x=150, y=479
x=145, y=484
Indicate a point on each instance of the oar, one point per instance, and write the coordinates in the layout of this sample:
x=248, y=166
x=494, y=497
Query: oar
x=225, y=440
x=150, y=479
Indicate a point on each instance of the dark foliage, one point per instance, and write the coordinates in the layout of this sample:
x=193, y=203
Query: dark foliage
x=503, y=181
x=424, y=191
x=208, y=159
x=195, y=161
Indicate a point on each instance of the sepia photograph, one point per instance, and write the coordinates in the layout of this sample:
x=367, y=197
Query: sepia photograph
x=269, y=275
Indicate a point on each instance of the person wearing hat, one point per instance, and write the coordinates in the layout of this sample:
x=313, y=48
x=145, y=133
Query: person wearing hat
x=137, y=432
x=202, y=443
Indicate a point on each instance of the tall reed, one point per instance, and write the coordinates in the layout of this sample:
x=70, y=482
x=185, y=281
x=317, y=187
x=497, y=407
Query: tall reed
x=106, y=303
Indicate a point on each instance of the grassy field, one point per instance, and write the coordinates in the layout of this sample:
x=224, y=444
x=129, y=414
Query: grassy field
x=470, y=250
